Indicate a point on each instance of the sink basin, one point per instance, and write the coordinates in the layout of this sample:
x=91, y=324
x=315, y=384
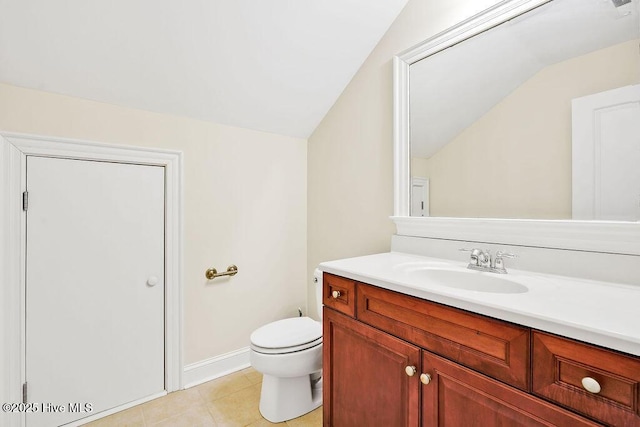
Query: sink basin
x=468, y=280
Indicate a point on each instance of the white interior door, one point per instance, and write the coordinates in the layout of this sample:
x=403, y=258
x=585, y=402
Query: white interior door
x=419, y=196
x=606, y=155
x=94, y=286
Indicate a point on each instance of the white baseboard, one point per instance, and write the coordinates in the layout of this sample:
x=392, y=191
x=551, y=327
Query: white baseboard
x=215, y=367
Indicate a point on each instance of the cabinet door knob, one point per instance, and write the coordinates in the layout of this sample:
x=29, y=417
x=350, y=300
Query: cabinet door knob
x=410, y=370
x=425, y=378
x=336, y=294
x=591, y=385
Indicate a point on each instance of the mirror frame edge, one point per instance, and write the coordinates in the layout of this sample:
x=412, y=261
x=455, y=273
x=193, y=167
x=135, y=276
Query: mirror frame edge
x=594, y=236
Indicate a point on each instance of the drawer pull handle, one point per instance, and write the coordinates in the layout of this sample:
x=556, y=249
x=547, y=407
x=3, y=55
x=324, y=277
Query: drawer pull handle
x=425, y=379
x=336, y=294
x=410, y=370
x=591, y=385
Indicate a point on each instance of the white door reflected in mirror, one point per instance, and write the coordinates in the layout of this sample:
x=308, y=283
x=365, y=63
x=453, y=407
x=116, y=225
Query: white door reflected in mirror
x=419, y=196
x=606, y=155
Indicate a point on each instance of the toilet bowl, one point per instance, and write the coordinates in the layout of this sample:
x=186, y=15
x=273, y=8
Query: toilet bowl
x=288, y=353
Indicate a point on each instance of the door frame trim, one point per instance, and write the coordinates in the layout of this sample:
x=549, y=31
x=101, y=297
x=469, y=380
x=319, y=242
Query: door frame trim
x=14, y=148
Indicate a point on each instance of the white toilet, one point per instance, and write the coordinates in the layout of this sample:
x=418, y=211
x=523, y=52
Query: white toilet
x=288, y=353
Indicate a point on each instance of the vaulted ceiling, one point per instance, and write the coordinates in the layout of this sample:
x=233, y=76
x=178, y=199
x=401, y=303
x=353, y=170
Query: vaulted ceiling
x=269, y=65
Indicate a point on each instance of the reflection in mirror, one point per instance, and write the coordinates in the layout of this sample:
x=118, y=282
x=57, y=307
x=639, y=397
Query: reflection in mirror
x=536, y=118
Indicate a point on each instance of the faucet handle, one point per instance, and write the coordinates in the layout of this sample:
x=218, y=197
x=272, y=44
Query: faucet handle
x=501, y=254
x=498, y=263
x=475, y=253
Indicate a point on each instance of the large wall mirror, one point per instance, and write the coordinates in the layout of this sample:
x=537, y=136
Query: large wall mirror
x=527, y=114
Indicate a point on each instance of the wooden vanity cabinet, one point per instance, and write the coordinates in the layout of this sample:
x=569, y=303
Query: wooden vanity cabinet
x=339, y=293
x=364, y=375
x=403, y=361
x=561, y=366
x=458, y=396
x=493, y=347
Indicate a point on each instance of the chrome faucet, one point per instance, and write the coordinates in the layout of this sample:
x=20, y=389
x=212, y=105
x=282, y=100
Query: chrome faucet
x=481, y=260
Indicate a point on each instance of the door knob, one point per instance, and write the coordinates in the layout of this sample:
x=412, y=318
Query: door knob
x=410, y=370
x=152, y=281
x=336, y=294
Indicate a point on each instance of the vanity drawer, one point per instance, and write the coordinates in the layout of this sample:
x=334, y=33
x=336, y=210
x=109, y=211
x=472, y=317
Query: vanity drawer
x=493, y=347
x=559, y=366
x=339, y=293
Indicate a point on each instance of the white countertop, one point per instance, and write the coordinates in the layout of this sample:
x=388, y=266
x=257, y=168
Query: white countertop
x=606, y=314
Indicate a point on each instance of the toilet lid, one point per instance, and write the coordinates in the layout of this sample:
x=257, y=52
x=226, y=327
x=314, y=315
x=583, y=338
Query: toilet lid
x=287, y=333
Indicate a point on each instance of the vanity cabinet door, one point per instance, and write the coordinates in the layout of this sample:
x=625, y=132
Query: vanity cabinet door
x=458, y=396
x=365, y=375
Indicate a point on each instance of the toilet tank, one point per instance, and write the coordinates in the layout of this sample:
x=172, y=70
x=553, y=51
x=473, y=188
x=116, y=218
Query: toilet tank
x=317, y=281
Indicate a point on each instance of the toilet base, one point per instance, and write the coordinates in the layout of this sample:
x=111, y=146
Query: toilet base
x=283, y=399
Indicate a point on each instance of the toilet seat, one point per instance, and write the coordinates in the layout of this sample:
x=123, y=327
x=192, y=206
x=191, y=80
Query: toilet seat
x=287, y=336
x=286, y=350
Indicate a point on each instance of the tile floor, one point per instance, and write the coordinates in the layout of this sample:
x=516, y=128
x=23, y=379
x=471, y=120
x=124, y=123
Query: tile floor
x=228, y=401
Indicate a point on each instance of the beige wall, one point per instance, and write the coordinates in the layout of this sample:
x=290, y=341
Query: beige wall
x=522, y=147
x=419, y=167
x=350, y=159
x=245, y=203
